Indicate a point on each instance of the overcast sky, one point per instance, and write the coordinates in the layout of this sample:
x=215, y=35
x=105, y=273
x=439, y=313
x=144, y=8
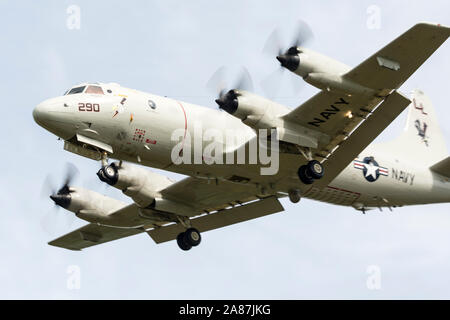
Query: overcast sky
x=312, y=250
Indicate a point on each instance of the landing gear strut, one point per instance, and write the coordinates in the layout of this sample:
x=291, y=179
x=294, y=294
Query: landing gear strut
x=311, y=171
x=188, y=239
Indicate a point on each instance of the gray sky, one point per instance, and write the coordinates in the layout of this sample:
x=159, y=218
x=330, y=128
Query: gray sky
x=312, y=250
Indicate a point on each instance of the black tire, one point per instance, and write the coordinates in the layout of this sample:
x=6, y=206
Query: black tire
x=315, y=169
x=101, y=175
x=181, y=241
x=304, y=175
x=111, y=174
x=192, y=236
x=110, y=171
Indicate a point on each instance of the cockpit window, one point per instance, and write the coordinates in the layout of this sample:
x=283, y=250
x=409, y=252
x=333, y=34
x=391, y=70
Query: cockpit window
x=76, y=90
x=94, y=89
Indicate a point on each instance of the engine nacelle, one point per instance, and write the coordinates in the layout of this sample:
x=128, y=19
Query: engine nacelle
x=310, y=61
x=255, y=111
x=304, y=61
x=321, y=71
x=86, y=204
x=142, y=185
x=337, y=83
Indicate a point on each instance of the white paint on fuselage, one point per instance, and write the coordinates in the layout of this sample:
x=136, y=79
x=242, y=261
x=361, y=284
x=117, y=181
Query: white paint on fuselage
x=139, y=133
x=418, y=186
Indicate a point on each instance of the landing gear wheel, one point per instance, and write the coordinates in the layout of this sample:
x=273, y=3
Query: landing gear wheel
x=110, y=171
x=294, y=195
x=109, y=174
x=315, y=169
x=304, y=175
x=101, y=175
x=182, y=243
x=192, y=236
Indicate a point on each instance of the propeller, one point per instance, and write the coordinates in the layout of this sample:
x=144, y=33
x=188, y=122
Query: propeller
x=61, y=197
x=227, y=95
x=287, y=56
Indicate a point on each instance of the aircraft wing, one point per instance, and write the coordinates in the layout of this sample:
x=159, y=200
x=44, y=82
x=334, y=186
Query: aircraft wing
x=336, y=115
x=215, y=205
x=350, y=147
x=206, y=196
x=220, y=219
x=346, y=146
x=396, y=62
x=442, y=167
x=92, y=234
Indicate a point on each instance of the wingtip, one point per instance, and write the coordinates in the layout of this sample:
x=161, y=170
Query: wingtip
x=54, y=244
x=439, y=26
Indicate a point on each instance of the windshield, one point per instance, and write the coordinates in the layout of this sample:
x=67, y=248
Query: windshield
x=76, y=90
x=94, y=89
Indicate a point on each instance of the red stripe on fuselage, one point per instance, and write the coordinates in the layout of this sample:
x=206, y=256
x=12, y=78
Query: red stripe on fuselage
x=185, y=123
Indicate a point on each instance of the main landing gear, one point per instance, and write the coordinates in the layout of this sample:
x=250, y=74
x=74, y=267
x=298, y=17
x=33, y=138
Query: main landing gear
x=188, y=239
x=311, y=171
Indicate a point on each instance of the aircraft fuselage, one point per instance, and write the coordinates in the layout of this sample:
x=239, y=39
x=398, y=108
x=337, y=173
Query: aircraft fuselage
x=139, y=127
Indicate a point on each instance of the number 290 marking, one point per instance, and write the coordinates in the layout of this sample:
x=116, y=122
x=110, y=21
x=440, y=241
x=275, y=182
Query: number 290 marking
x=89, y=107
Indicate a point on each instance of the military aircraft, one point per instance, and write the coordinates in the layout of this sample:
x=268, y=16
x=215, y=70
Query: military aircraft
x=322, y=148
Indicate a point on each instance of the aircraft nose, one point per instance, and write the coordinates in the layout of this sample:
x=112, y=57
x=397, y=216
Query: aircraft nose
x=39, y=113
x=56, y=116
x=43, y=113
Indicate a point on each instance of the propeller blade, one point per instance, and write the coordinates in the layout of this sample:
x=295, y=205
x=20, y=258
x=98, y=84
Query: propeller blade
x=217, y=84
x=48, y=187
x=271, y=84
x=48, y=222
x=222, y=89
x=244, y=81
x=53, y=220
x=286, y=56
x=302, y=35
x=296, y=82
x=273, y=46
x=71, y=173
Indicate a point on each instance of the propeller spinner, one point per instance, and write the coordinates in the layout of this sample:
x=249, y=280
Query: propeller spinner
x=62, y=197
x=228, y=99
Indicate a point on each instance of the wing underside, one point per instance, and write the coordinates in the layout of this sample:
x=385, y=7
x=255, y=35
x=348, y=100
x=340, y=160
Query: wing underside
x=216, y=206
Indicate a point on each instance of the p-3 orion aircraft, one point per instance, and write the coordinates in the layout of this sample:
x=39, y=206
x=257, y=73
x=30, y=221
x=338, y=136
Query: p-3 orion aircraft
x=323, y=147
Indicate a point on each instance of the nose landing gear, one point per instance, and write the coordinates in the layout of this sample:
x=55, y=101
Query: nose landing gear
x=188, y=239
x=109, y=174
